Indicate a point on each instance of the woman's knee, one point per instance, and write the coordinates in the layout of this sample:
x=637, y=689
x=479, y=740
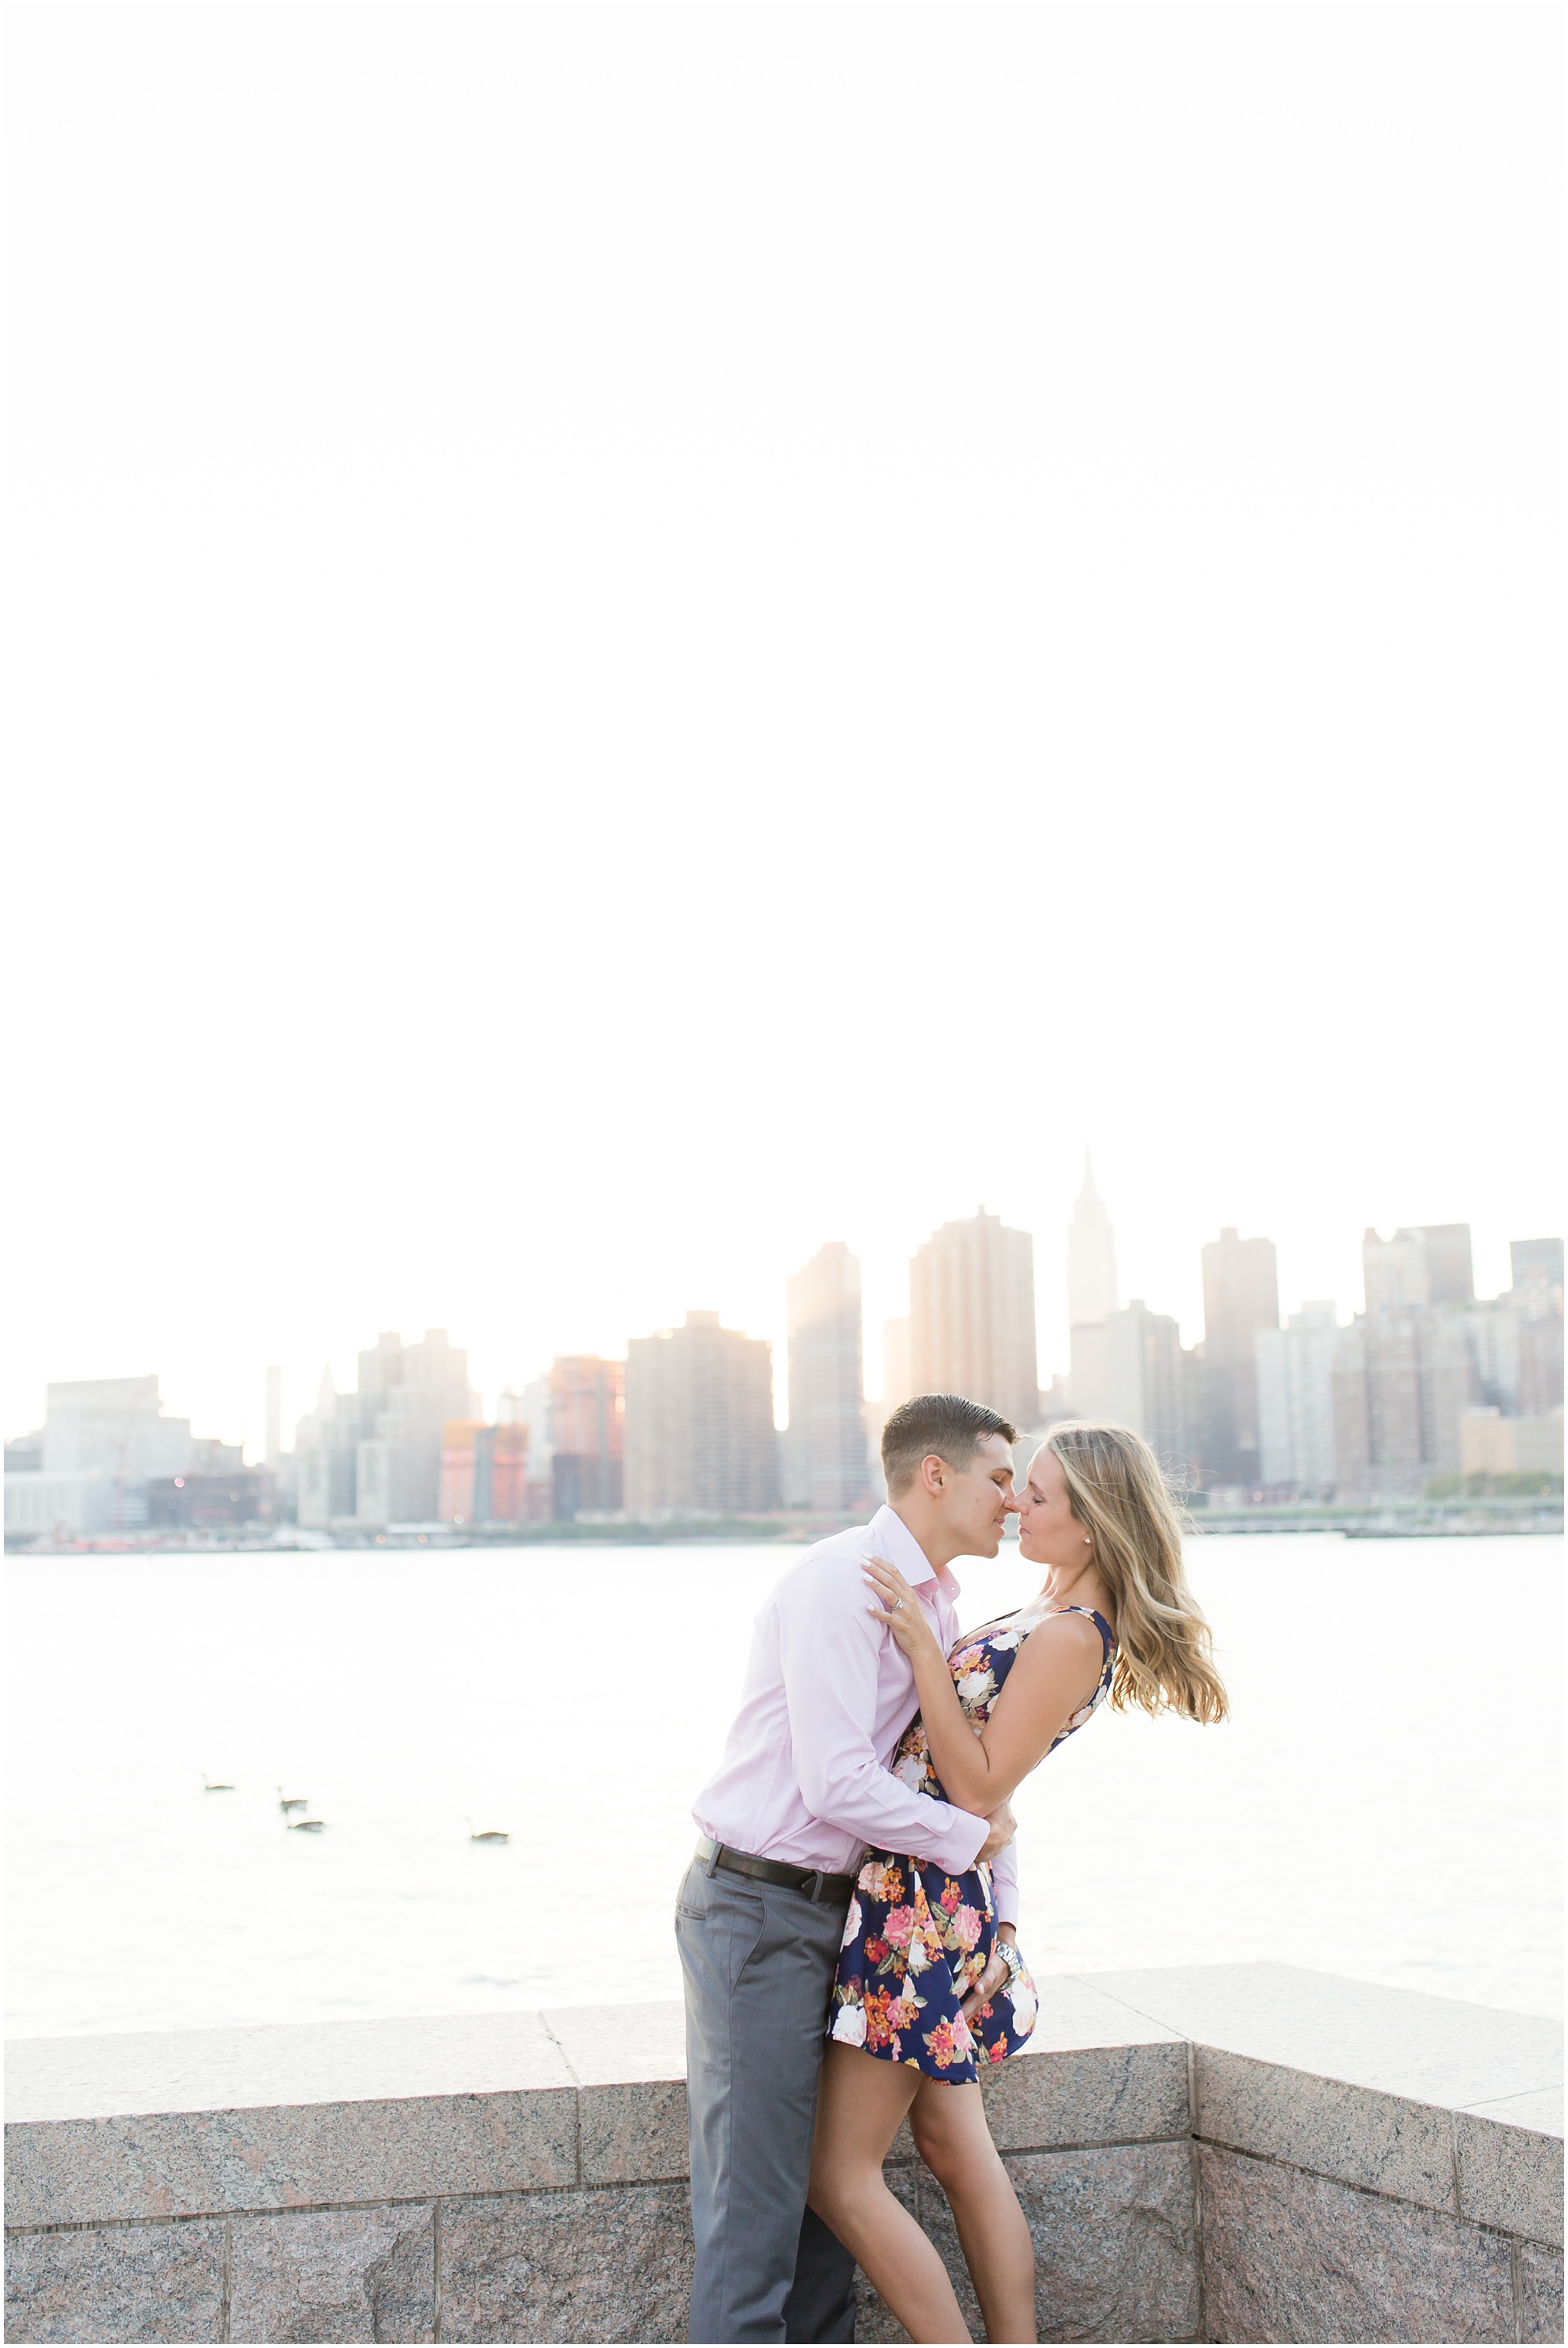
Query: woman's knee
x=948, y=2125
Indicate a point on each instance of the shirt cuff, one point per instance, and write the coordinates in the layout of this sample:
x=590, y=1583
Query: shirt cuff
x=957, y=1846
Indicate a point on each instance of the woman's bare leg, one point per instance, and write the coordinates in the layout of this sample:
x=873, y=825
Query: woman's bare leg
x=860, y=2104
x=948, y=2123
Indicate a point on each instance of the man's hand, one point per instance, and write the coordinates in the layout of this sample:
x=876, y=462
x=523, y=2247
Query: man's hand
x=1004, y=1825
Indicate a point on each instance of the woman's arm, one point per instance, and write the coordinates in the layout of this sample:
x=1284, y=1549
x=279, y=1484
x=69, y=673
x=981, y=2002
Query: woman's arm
x=1053, y=1673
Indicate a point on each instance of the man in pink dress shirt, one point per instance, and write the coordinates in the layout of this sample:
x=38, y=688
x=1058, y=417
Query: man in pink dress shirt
x=802, y=1789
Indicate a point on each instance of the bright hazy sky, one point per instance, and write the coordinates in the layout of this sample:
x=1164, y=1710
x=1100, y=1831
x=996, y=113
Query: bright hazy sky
x=645, y=637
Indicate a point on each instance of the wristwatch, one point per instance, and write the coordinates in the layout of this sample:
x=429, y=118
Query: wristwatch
x=1009, y=1956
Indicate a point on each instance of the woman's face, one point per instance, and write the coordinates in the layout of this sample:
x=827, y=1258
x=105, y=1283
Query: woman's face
x=1049, y=1532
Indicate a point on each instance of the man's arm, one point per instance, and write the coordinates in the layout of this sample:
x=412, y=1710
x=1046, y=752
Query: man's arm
x=828, y=1651
x=1005, y=1884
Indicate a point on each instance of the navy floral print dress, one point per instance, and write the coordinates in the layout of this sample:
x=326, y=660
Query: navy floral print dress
x=916, y=1939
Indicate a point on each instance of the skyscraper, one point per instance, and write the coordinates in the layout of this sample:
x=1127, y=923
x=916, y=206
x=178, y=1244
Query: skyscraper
x=587, y=1434
x=700, y=1437
x=1537, y=1264
x=1143, y=1379
x=1092, y=1291
x=825, y=1447
x=1093, y=1295
x=1241, y=1296
x=972, y=1317
x=1537, y=1299
x=1296, y=1401
x=1427, y=1266
x=1446, y=1248
x=375, y=1455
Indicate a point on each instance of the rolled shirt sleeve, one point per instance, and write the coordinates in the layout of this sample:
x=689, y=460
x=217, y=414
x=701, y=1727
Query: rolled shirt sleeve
x=829, y=1658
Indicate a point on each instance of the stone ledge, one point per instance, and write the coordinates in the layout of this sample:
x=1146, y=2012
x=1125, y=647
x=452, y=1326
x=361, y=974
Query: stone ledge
x=1455, y=2108
x=117, y=2130
x=520, y=2177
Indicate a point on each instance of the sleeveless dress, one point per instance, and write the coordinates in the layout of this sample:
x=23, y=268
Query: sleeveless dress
x=916, y=1939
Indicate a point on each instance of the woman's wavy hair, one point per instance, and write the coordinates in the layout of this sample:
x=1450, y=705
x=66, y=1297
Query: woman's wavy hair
x=1121, y=1499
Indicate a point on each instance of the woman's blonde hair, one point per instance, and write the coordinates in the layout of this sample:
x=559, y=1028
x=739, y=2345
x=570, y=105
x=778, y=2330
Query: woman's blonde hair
x=1121, y=1499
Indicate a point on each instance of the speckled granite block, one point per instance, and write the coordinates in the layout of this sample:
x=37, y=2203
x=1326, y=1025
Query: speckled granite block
x=629, y=2064
x=1115, y=2248
x=611, y=2264
x=1356, y=2133
x=167, y=2164
x=1510, y=2176
x=1290, y=2257
x=874, y=2320
x=1095, y=2095
x=633, y=2133
x=127, y=2282
x=334, y=2274
x=1541, y=2292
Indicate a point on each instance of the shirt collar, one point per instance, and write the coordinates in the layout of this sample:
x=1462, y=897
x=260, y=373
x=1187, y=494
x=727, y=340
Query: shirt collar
x=895, y=1541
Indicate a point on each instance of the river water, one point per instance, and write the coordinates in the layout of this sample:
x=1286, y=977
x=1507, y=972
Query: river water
x=1385, y=1802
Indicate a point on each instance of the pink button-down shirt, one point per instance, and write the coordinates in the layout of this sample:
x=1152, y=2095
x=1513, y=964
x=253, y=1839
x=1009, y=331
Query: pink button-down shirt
x=827, y=1696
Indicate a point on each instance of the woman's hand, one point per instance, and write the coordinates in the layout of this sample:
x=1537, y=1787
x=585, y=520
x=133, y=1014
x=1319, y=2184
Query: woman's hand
x=901, y=1611
x=993, y=1978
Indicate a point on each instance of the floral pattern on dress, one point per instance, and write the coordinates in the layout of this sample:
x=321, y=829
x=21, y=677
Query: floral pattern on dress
x=916, y=1939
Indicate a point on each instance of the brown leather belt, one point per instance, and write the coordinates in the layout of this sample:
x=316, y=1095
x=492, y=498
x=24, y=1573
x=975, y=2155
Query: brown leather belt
x=826, y=1890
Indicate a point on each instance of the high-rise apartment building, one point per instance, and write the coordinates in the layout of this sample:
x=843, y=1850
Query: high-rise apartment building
x=1406, y=1370
x=1143, y=1380
x=699, y=1433
x=1093, y=1295
x=1421, y=1266
x=530, y=1409
x=1446, y=1248
x=972, y=1317
x=1295, y=1402
x=455, y=1503
x=484, y=1473
x=1241, y=1296
x=825, y=1445
x=1536, y=1298
x=1537, y=1263
x=501, y=1475
x=587, y=1435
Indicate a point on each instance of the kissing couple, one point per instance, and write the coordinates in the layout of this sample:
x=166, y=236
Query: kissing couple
x=848, y=1928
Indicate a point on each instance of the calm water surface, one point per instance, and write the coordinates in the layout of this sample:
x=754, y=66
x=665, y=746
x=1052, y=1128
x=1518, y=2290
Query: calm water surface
x=1385, y=1802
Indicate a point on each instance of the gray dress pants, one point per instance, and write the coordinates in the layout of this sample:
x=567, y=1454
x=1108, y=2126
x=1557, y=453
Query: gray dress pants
x=758, y=1964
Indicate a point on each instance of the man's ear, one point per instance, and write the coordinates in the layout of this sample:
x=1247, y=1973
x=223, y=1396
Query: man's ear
x=934, y=1472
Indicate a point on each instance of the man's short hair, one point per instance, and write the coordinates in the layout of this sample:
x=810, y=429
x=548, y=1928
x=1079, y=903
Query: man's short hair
x=950, y=1425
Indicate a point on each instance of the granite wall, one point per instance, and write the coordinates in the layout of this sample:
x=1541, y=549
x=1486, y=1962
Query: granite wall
x=1225, y=2153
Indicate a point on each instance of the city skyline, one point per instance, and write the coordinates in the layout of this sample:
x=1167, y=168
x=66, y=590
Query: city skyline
x=1427, y=1387
x=1240, y=1288
x=502, y=1365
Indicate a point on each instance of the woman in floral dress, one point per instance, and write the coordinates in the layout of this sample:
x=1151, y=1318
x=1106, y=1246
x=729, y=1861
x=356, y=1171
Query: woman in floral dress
x=929, y=1990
